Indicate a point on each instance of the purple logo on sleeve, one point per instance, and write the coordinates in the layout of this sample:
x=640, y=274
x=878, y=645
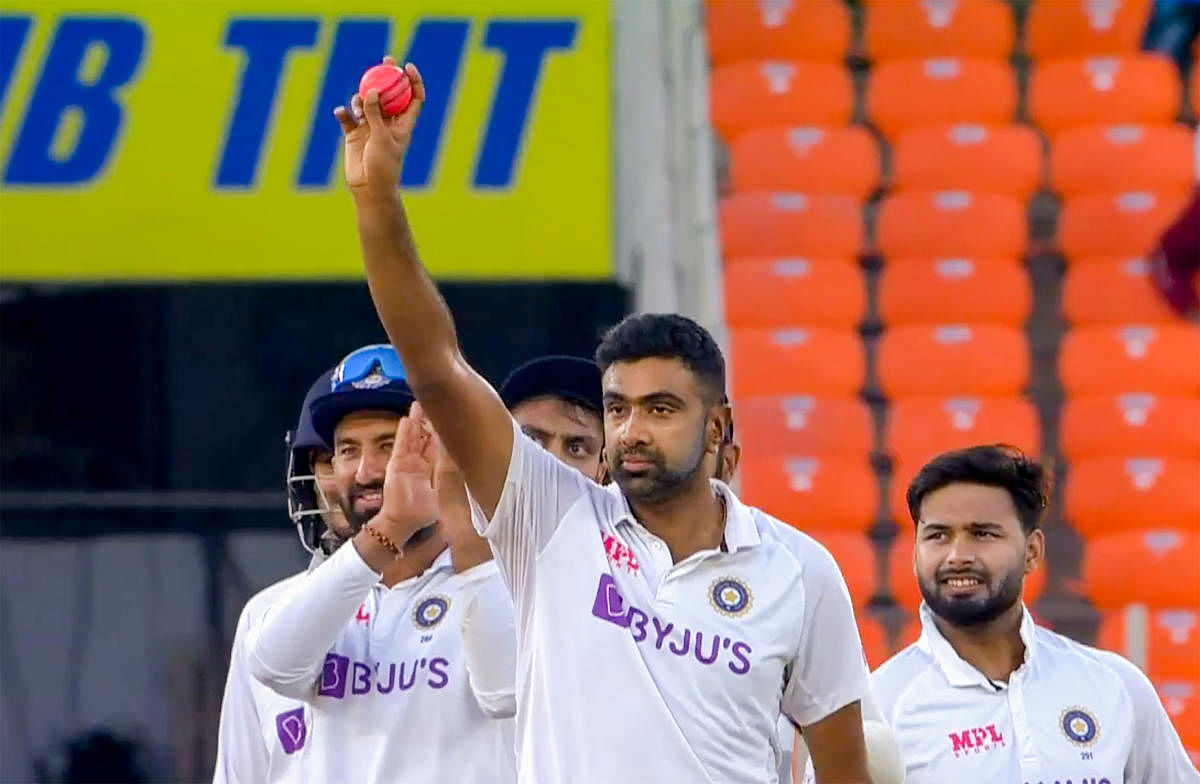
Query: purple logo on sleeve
x=609, y=606
x=333, y=676
x=292, y=730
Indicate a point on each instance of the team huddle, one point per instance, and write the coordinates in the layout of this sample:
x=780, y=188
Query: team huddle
x=553, y=583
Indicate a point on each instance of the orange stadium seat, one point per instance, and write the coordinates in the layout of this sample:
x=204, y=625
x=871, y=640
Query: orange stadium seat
x=804, y=425
x=1133, y=89
x=940, y=224
x=782, y=292
x=812, y=492
x=904, y=29
x=929, y=361
x=908, y=93
x=787, y=29
x=1108, y=158
x=1115, y=224
x=1130, y=424
x=903, y=583
x=811, y=160
x=796, y=361
x=874, y=640
x=761, y=94
x=916, y=291
x=1181, y=698
x=1069, y=28
x=855, y=556
x=1099, y=360
x=918, y=429
x=1172, y=641
x=1157, y=568
x=1000, y=159
x=789, y=224
x=1113, y=291
x=1110, y=494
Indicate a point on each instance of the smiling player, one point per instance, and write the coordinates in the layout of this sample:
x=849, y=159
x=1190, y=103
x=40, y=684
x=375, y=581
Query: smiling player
x=678, y=669
x=986, y=695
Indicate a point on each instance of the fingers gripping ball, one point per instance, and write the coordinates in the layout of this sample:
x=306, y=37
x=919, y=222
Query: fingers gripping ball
x=393, y=84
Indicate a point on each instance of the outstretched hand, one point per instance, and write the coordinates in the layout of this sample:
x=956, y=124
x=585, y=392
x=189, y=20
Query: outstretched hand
x=374, y=144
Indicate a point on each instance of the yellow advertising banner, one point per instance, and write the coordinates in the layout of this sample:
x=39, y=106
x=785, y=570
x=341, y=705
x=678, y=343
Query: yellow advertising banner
x=195, y=139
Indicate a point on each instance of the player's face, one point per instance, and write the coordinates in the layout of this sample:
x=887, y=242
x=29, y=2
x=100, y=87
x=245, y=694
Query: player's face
x=568, y=431
x=321, y=464
x=971, y=555
x=659, y=433
x=362, y=444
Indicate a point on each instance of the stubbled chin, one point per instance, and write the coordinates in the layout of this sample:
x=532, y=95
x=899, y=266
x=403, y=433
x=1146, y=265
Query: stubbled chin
x=367, y=512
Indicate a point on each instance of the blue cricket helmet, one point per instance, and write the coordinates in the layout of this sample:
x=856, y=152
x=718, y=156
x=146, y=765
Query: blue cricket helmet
x=370, y=378
x=307, y=503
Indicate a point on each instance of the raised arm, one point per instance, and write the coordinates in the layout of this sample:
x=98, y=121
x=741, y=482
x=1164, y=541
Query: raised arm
x=463, y=407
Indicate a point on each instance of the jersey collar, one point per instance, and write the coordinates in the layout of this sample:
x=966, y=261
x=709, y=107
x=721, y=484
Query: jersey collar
x=741, y=531
x=957, y=671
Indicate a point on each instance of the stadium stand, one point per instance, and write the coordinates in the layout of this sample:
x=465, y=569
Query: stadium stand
x=971, y=265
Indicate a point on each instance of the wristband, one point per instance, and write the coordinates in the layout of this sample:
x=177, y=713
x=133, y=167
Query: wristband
x=383, y=539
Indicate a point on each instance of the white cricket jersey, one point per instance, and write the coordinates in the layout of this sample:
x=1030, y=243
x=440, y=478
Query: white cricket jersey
x=261, y=735
x=384, y=672
x=1069, y=713
x=633, y=669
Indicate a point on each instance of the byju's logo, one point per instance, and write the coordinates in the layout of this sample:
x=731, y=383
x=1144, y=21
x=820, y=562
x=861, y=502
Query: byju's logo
x=361, y=678
x=292, y=730
x=610, y=606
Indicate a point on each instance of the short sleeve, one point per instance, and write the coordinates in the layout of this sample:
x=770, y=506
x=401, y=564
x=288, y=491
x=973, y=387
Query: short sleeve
x=538, y=491
x=1156, y=755
x=829, y=670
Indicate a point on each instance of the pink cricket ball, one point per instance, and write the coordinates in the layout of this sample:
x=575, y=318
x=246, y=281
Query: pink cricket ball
x=395, y=89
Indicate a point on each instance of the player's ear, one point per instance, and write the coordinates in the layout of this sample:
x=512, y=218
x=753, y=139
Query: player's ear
x=719, y=424
x=1035, y=549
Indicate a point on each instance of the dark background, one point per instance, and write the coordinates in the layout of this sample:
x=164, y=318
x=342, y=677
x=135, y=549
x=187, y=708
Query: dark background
x=191, y=387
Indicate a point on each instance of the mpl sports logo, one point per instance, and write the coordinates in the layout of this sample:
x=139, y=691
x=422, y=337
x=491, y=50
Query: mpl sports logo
x=620, y=555
x=976, y=740
x=707, y=649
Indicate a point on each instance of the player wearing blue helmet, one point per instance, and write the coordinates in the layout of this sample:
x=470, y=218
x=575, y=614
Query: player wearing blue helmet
x=371, y=641
x=311, y=491
x=261, y=734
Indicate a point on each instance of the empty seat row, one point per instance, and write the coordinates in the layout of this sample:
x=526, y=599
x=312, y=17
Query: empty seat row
x=899, y=29
x=1139, y=88
x=970, y=359
x=1000, y=159
x=939, y=224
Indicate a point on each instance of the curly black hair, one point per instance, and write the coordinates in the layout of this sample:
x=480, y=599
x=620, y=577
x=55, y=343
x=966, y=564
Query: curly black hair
x=994, y=465
x=670, y=336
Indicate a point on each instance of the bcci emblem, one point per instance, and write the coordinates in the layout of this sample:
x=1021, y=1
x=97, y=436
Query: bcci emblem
x=429, y=612
x=373, y=380
x=730, y=596
x=1080, y=727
